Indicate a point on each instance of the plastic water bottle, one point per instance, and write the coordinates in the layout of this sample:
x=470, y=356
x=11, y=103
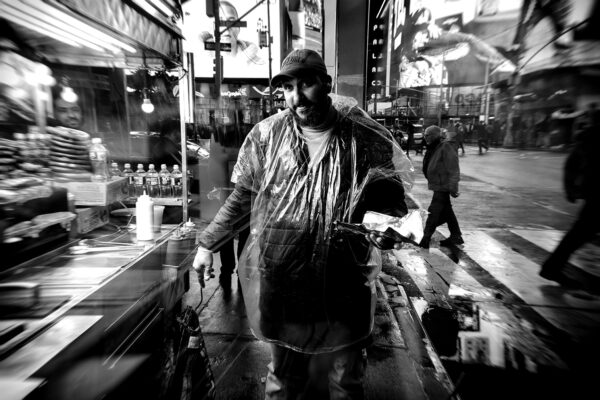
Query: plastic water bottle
x=140, y=180
x=114, y=170
x=99, y=160
x=177, y=182
x=129, y=174
x=164, y=179
x=152, y=182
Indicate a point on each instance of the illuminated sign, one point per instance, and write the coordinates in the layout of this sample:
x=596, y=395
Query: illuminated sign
x=237, y=93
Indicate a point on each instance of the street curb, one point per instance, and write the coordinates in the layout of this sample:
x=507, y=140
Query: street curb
x=401, y=302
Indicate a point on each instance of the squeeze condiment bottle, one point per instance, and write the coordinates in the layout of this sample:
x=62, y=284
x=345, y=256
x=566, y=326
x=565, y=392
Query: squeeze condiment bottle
x=144, y=215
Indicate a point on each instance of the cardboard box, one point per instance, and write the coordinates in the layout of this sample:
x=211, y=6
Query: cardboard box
x=97, y=193
x=90, y=218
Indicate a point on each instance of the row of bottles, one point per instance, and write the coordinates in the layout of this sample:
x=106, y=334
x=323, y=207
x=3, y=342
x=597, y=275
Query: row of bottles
x=156, y=183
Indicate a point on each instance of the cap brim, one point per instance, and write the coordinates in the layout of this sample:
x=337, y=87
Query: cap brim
x=289, y=73
x=277, y=79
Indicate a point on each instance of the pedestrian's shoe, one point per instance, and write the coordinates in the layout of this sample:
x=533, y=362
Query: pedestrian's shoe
x=452, y=241
x=559, y=276
x=424, y=243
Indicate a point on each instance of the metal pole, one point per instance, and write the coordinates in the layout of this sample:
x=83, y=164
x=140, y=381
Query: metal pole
x=397, y=98
x=217, y=53
x=270, y=59
x=183, y=100
x=375, y=103
x=441, y=91
x=485, y=91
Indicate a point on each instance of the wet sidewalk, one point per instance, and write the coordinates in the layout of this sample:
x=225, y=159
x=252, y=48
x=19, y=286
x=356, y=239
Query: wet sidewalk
x=402, y=364
x=519, y=336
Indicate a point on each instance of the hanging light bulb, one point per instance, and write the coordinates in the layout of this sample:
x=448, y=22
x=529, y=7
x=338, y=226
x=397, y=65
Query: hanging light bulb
x=147, y=105
x=67, y=93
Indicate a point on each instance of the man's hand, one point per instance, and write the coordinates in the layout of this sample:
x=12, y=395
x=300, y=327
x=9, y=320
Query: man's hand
x=203, y=264
x=382, y=242
x=454, y=194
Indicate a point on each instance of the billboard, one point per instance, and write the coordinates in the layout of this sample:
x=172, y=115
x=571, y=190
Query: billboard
x=432, y=44
x=563, y=34
x=244, y=54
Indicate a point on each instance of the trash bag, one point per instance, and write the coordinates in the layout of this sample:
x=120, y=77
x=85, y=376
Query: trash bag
x=441, y=325
x=195, y=380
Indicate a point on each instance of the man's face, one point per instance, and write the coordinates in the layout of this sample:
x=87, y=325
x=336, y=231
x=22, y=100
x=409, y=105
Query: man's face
x=228, y=13
x=307, y=98
x=432, y=137
x=68, y=114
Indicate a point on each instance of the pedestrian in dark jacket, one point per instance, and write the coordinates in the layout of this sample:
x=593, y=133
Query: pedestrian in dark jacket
x=460, y=136
x=308, y=290
x=581, y=181
x=482, y=136
x=440, y=166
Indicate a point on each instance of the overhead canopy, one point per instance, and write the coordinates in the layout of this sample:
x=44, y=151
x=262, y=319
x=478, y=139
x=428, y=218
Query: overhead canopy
x=109, y=33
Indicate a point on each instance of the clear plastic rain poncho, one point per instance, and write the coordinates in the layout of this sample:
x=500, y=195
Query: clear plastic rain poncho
x=306, y=286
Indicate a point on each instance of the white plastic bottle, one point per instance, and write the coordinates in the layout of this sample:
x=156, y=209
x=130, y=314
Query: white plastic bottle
x=144, y=217
x=129, y=174
x=177, y=182
x=164, y=179
x=140, y=180
x=115, y=172
x=99, y=160
x=152, y=182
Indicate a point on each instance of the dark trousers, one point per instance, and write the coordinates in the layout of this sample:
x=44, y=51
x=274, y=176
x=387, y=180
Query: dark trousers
x=441, y=212
x=227, y=254
x=483, y=143
x=333, y=376
x=461, y=146
x=583, y=230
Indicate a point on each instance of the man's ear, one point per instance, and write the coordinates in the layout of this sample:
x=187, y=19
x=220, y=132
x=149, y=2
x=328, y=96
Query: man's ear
x=328, y=84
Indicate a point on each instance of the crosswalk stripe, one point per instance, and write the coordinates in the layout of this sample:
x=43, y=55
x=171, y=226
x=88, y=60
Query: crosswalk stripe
x=441, y=281
x=519, y=274
x=585, y=258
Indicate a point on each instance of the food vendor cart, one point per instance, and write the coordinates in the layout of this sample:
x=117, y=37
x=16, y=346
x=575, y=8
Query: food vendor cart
x=86, y=309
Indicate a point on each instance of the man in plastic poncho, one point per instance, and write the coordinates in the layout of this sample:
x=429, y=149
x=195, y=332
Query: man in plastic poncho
x=309, y=290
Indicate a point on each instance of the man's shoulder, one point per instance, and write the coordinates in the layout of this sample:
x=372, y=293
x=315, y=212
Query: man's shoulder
x=273, y=125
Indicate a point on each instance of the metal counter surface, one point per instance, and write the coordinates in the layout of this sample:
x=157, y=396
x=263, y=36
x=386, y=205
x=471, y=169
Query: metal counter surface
x=96, y=304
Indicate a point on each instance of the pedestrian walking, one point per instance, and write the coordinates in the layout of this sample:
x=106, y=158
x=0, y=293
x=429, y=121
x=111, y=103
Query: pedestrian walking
x=308, y=291
x=482, y=136
x=581, y=181
x=460, y=136
x=221, y=154
x=440, y=166
x=410, y=133
x=397, y=131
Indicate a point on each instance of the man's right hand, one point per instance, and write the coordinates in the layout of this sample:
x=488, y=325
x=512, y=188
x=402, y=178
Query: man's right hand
x=203, y=264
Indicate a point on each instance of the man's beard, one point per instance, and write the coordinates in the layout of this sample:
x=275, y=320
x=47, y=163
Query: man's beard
x=315, y=113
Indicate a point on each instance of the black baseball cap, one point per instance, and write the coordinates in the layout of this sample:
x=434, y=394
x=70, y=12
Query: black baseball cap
x=300, y=62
